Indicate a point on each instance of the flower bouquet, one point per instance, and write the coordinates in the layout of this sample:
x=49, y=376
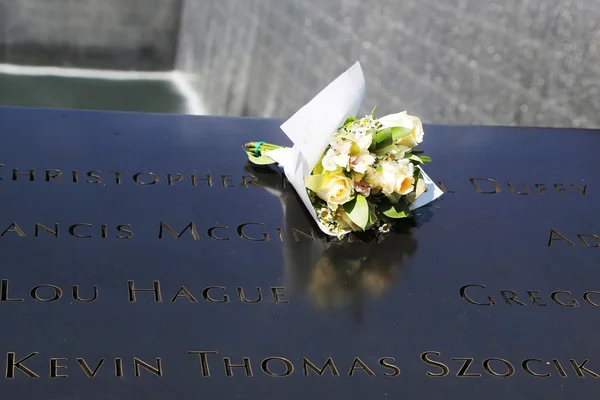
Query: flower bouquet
x=352, y=174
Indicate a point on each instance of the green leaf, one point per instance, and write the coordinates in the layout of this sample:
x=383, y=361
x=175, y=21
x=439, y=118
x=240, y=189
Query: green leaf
x=416, y=159
x=358, y=211
x=373, y=112
x=383, y=138
x=395, y=211
x=399, y=132
x=348, y=120
x=314, y=182
x=416, y=152
x=259, y=160
x=425, y=159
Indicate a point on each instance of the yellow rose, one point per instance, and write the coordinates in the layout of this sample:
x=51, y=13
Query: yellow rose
x=336, y=189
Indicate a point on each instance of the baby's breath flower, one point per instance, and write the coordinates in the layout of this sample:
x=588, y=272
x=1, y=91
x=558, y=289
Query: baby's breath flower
x=385, y=228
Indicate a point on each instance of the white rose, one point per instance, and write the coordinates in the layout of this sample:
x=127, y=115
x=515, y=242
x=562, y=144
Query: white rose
x=403, y=120
x=336, y=190
x=397, y=177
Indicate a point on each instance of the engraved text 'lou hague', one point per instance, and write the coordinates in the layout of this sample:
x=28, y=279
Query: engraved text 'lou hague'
x=146, y=178
x=210, y=364
x=153, y=293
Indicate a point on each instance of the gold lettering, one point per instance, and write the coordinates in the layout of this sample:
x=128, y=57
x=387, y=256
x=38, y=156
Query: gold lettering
x=512, y=189
x=79, y=299
x=75, y=176
x=513, y=297
x=44, y=228
x=385, y=362
x=57, y=293
x=203, y=360
x=463, y=293
x=363, y=367
x=11, y=365
x=206, y=295
x=242, y=234
x=540, y=187
x=186, y=294
x=132, y=290
x=463, y=372
x=118, y=368
x=226, y=181
x=443, y=187
x=243, y=298
x=54, y=176
x=229, y=367
x=582, y=190
x=16, y=174
x=586, y=297
x=195, y=180
x=535, y=299
x=581, y=237
x=559, y=368
x=104, y=230
x=559, y=188
x=560, y=237
x=137, y=363
x=170, y=179
x=442, y=366
x=497, y=188
x=14, y=228
x=212, y=235
x=128, y=233
x=277, y=296
x=289, y=367
x=4, y=297
x=581, y=369
x=86, y=369
x=136, y=178
x=249, y=179
x=190, y=226
x=510, y=370
x=554, y=297
x=328, y=364
x=97, y=177
x=527, y=369
x=54, y=367
x=75, y=234
x=1, y=166
x=117, y=176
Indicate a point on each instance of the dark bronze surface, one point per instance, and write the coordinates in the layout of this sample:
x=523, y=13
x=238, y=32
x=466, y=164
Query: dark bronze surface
x=368, y=306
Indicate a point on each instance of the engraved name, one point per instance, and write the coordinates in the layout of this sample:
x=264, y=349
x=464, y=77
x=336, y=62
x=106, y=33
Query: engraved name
x=251, y=231
x=492, y=186
x=153, y=292
x=480, y=295
x=578, y=240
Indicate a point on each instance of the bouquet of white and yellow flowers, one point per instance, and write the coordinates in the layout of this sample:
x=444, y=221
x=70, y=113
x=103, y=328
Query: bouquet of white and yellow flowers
x=367, y=174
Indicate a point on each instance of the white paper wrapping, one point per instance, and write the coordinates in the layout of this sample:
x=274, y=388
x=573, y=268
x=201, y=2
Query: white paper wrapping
x=312, y=127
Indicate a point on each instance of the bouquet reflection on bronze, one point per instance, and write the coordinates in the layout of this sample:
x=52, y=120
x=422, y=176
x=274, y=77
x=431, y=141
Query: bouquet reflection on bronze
x=352, y=174
x=335, y=272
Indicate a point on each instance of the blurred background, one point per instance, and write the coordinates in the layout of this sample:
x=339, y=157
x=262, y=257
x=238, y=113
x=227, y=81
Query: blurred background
x=492, y=62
